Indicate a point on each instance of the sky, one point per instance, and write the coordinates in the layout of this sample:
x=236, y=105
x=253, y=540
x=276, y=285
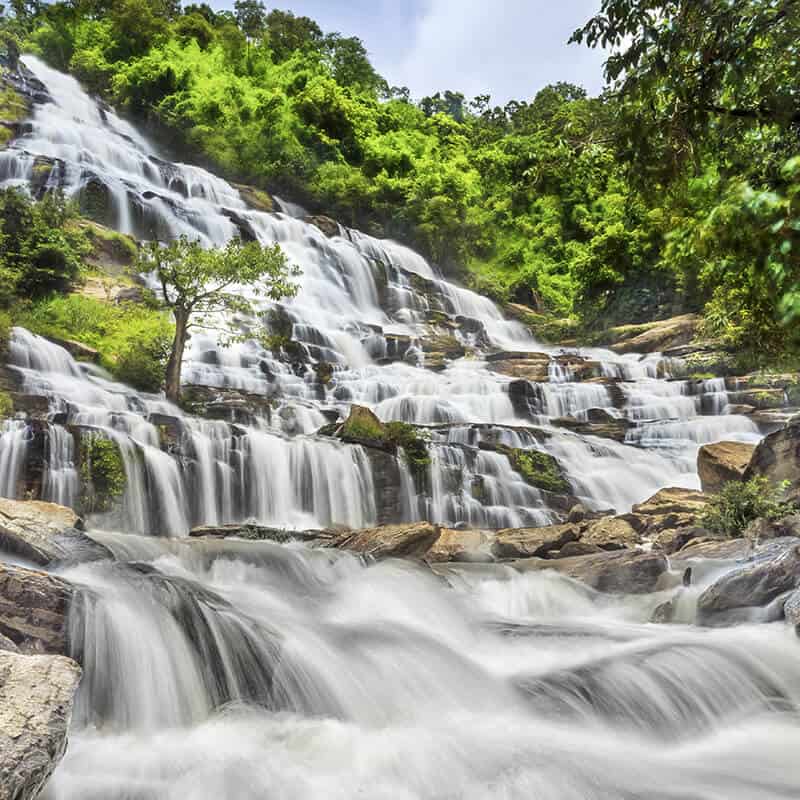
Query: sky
x=508, y=49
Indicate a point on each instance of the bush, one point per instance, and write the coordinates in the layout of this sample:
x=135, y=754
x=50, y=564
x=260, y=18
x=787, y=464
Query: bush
x=738, y=504
x=133, y=340
x=102, y=474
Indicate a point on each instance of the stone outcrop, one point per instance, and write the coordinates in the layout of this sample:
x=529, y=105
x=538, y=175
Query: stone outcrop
x=721, y=462
x=791, y=610
x=257, y=533
x=33, y=609
x=773, y=571
x=777, y=457
x=669, y=509
x=533, y=542
x=656, y=336
x=457, y=545
x=45, y=533
x=412, y=540
x=611, y=533
x=617, y=572
x=597, y=422
x=36, y=697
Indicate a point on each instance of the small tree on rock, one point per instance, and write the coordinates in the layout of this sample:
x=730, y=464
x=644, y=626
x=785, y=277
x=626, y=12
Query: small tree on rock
x=197, y=283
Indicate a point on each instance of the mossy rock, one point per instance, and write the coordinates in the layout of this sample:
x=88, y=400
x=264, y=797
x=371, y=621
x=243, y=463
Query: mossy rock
x=96, y=202
x=13, y=109
x=363, y=427
x=255, y=198
x=537, y=468
x=110, y=249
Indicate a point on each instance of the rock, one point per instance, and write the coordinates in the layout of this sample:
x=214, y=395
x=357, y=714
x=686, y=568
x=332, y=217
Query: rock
x=671, y=540
x=36, y=696
x=33, y=608
x=777, y=457
x=525, y=397
x=533, y=367
x=598, y=422
x=363, y=427
x=611, y=533
x=257, y=199
x=655, y=336
x=391, y=541
x=616, y=572
x=577, y=513
x=458, y=545
x=536, y=542
x=330, y=227
x=45, y=533
x=721, y=462
x=78, y=350
x=791, y=611
x=774, y=570
x=759, y=530
x=673, y=500
x=712, y=548
x=254, y=532
x=579, y=548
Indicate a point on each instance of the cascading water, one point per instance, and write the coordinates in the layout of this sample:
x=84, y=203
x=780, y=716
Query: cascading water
x=248, y=670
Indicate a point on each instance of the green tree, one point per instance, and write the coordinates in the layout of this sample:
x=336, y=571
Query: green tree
x=197, y=283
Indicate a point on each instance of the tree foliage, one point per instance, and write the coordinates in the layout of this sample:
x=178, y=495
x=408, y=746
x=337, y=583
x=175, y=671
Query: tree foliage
x=199, y=285
x=674, y=190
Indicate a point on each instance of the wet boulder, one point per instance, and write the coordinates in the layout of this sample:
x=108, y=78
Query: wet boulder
x=655, y=337
x=412, y=540
x=611, y=533
x=33, y=609
x=460, y=545
x=614, y=572
x=773, y=570
x=721, y=462
x=670, y=509
x=597, y=422
x=533, y=367
x=533, y=542
x=791, y=610
x=777, y=457
x=36, y=697
x=330, y=227
x=45, y=533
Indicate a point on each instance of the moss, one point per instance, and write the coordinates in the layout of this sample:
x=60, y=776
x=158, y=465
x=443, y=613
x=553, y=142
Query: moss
x=324, y=372
x=401, y=434
x=6, y=404
x=102, y=470
x=257, y=199
x=5, y=331
x=108, y=245
x=537, y=468
x=363, y=425
x=12, y=110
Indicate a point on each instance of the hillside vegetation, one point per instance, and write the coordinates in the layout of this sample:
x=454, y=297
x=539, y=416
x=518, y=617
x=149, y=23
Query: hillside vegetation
x=676, y=190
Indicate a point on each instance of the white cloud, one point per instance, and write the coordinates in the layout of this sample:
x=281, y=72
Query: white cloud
x=509, y=49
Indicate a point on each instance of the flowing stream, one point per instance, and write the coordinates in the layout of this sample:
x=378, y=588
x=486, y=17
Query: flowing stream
x=243, y=670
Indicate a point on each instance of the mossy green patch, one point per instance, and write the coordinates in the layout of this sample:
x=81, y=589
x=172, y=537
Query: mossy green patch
x=537, y=468
x=102, y=470
x=12, y=110
x=6, y=404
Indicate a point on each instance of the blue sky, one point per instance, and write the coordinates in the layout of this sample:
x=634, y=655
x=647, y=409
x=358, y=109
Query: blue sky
x=506, y=48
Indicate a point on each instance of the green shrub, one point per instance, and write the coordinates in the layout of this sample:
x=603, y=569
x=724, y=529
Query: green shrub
x=737, y=504
x=133, y=340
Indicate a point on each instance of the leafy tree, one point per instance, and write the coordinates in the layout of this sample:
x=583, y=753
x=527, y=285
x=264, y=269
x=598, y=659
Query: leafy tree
x=289, y=34
x=251, y=16
x=197, y=283
x=682, y=66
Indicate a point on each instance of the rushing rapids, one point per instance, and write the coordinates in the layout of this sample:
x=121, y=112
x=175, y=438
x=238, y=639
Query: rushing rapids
x=239, y=670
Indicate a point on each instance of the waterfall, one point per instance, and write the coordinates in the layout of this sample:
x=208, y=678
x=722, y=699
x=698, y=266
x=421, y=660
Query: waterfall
x=246, y=670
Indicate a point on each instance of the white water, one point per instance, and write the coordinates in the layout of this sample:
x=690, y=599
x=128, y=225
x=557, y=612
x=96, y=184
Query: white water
x=228, y=671
x=255, y=670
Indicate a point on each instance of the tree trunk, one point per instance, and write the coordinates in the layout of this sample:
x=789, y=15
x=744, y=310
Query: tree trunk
x=173, y=376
